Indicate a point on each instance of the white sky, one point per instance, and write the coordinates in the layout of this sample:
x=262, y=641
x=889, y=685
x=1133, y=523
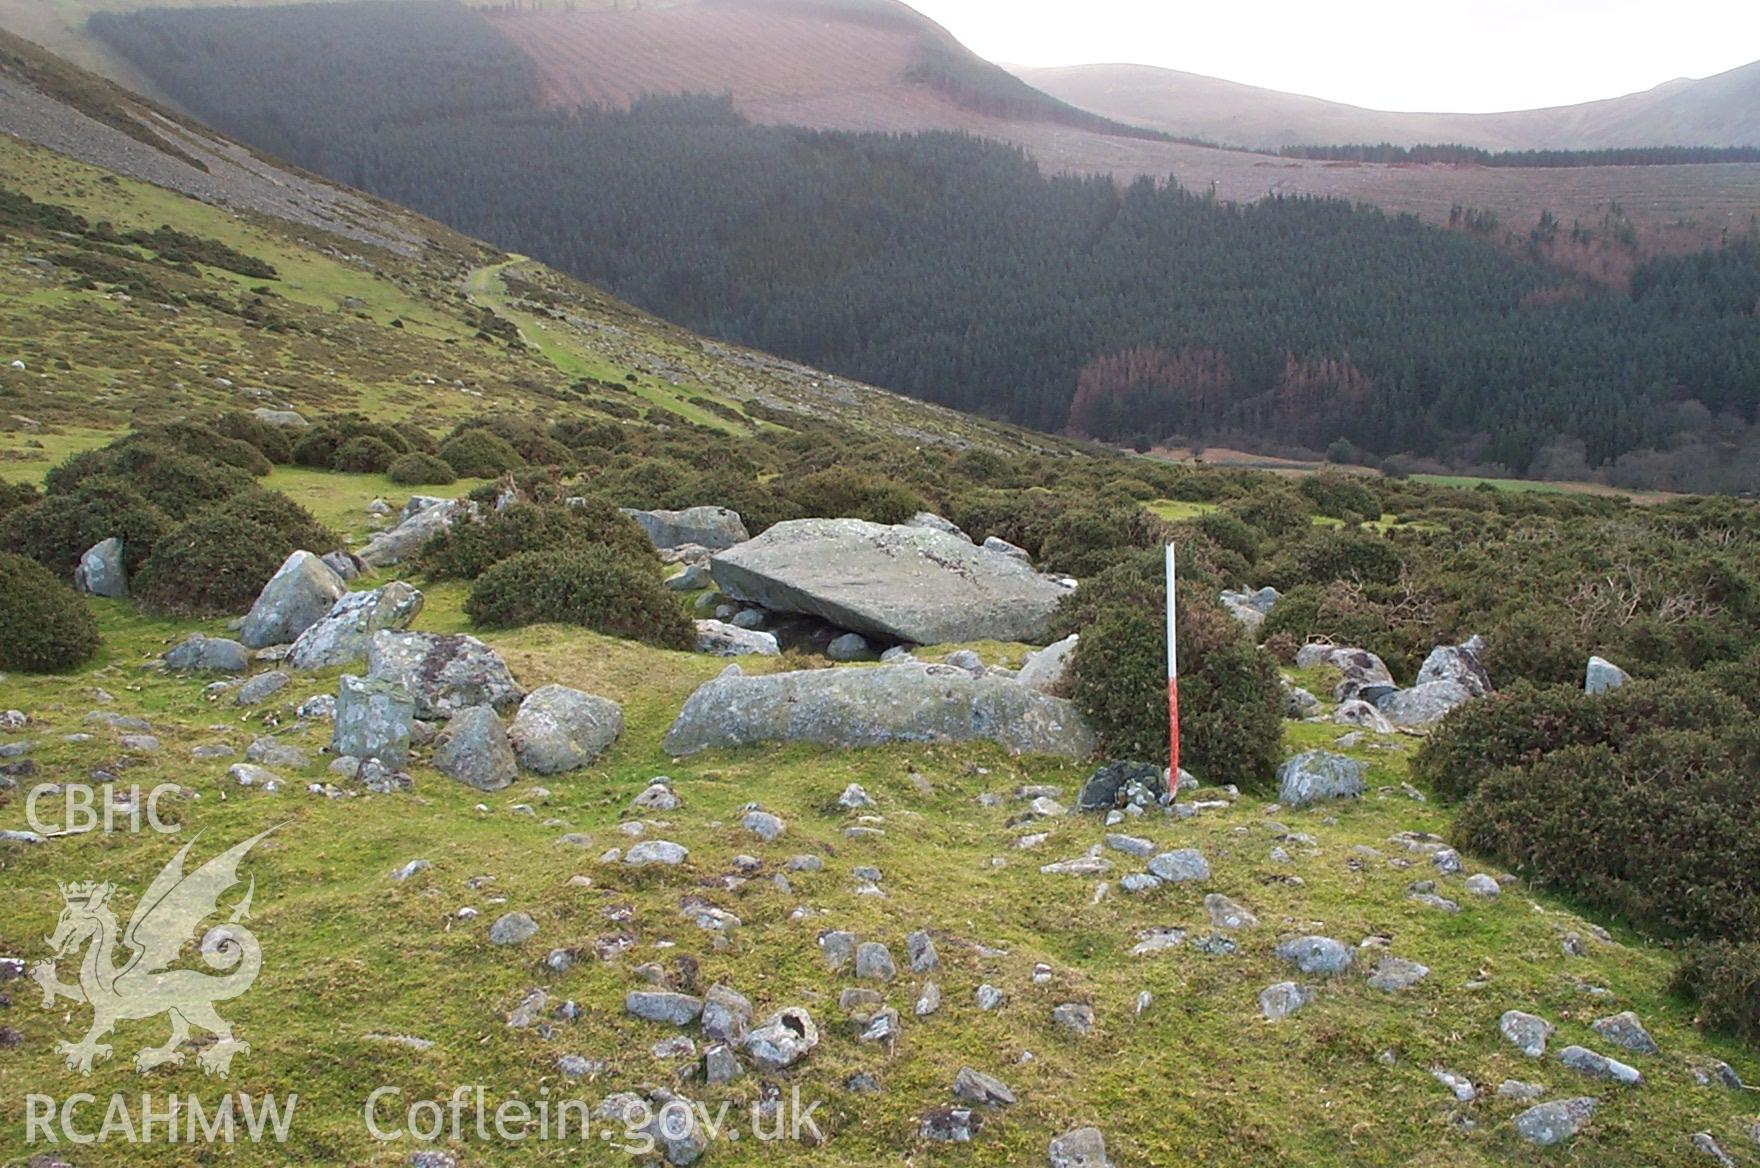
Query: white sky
x=1431, y=55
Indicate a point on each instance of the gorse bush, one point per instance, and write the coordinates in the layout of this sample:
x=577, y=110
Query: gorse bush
x=44, y=625
x=480, y=454
x=364, y=454
x=271, y=441
x=416, y=469
x=527, y=438
x=199, y=441
x=16, y=495
x=60, y=528
x=840, y=493
x=1231, y=705
x=177, y=484
x=212, y=566
x=1325, y=555
x=318, y=446
x=473, y=544
x=1723, y=977
x=591, y=586
x=1522, y=723
x=292, y=523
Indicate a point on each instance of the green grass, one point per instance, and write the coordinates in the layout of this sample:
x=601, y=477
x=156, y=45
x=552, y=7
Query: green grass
x=1177, y=510
x=1199, y=1078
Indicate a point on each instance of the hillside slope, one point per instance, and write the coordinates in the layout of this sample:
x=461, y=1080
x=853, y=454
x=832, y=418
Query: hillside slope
x=1722, y=110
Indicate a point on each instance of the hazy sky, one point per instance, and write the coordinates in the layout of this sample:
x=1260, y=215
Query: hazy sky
x=1386, y=54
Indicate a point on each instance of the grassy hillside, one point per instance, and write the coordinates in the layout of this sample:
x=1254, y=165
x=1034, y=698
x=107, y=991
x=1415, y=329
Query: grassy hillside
x=370, y=981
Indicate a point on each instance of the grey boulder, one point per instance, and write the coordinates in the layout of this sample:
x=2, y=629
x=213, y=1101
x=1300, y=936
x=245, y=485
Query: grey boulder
x=100, y=571
x=373, y=719
x=296, y=597
x=1084, y=1147
x=474, y=750
x=1626, y=1031
x=414, y=528
x=261, y=688
x=721, y=639
x=209, y=655
x=1554, y=1122
x=714, y=528
x=1047, y=670
x=1456, y=663
x=1317, y=956
x=1423, y=705
x=444, y=673
x=1359, y=668
x=914, y=584
x=1603, y=675
x=1318, y=775
x=870, y=707
x=344, y=635
x=1277, y=1002
x=559, y=729
x=783, y=1039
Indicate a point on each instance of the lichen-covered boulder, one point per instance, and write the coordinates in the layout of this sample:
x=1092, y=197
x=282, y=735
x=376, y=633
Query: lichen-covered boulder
x=444, y=673
x=709, y=527
x=867, y=707
x=474, y=750
x=373, y=717
x=559, y=729
x=345, y=634
x=1318, y=775
x=913, y=584
x=296, y=597
x=100, y=571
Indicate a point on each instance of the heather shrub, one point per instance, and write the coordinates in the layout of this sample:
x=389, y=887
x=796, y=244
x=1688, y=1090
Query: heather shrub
x=480, y=454
x=839, y=493
x=58, y=529
x=214, y=565
x=364, y=454
x=474, y=544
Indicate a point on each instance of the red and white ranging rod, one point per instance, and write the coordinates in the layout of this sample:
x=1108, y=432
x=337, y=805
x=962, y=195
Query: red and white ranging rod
x=1172, y=680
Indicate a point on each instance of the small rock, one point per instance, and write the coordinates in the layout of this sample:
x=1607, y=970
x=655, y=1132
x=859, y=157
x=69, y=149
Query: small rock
x=989, y=997
x=663, y=1006
x=1461, y=1086
x=1396, y=973
x=783, y=1039
x=1555, y=1122
x=1527, y=1032
x=920, y=948
x=764, y=825
x=1314, y=955
x=1277, y=1002
x=1076, y=1017
x=1520, y=1092
x=874, y=962
x=1599, y=1066
x=1226, y=914
x=663, y=852
x=949, y=1125
x=1480, y=884
x=1626, y=1031
x=1179, y=866
x=1084, y=1147
x=984, y=1090
x=928, y=1000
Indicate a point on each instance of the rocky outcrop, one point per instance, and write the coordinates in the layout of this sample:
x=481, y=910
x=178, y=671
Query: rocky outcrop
x=345, y=634
x=1423, y=705
x=296, y=597
x=868, y=707
x=710, y=527
x=1360, y=670
x=414, y=528
x=100, y=571
x=559, y=729
x=1458, y=664
x=903, y=583
x=444, y=673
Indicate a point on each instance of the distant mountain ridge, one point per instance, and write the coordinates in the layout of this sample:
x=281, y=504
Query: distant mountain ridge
x=1721, y=110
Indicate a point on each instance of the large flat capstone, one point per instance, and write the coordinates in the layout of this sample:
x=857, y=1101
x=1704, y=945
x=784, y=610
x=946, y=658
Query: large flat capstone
x=902, y=583
x=868, y=707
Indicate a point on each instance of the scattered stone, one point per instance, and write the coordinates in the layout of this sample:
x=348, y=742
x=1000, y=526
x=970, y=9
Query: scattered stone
x=1357, y=712
x=1527, y=1032
x=663, y=1006
x=1626, y=1031
x=261, y=688
x=1599, y=1066
x=839, y=948
x=422, y=518
x=1480, y=884
x=989, y=997
x=268, y=752
x=1151, y=941
x=1316, y=956
x=1603, y=675
x=1555, y=1122
x=1277, y=1002
x=1423, y=705
x=558, y=729
x=1520, y=1092
x=1360, y=669
x=984, y=1090
x=719, y=639
x=474, y=750
x=208, y=655
x=1084, y=1147
x=1396, y=973
x=694, y=577
x=1130, y=845
x=874, y=962
x=344, y=635
x=1227, y=914
x=1462, y=1087
x=1703, y=1142
x=514, y=928
x=250, y=775
x=1318, y=775
x=1298, y=703
x=296, y=597
x=1447, y=861
x=1122, y=783
x=1180, y=866
x=1458, y=664
x=1076, y=1017
x=854, y=798
x=928, y=1000
x=764, y=825
x=1713, y=1071
x=949, y=1125
x=920, y=948
x=662, y=852
x=783, y=1039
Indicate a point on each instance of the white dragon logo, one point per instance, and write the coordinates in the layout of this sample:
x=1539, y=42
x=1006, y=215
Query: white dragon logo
x=166, y=917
